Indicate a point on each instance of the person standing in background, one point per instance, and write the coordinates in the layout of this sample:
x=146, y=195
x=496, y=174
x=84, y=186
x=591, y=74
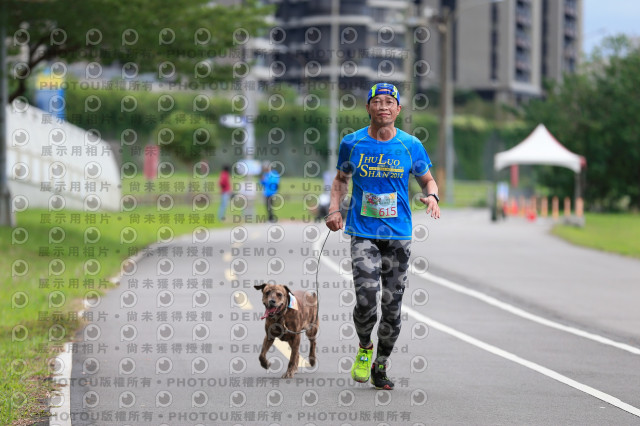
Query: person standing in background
x=225, y=190
x=270, y=182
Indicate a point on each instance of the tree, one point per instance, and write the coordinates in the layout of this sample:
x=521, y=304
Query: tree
x=177, y=40
x=189, y=137
x=594, y=113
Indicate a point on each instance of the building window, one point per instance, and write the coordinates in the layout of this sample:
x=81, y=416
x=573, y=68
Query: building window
x=523, y=76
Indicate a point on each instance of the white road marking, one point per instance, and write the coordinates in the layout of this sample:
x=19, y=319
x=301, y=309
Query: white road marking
x=226, y=257
x=524, y=314
x=616, y=402
x=521, y=312
x=286, y=351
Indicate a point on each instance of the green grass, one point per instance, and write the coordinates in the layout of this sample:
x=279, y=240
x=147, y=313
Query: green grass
x=615, y=233
x=465, y=193
x=471, y=193
x=183, y=187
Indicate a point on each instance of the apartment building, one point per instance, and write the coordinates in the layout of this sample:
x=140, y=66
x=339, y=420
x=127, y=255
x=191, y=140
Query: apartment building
x=371, y=45
x=562, y=37
x=502, y=49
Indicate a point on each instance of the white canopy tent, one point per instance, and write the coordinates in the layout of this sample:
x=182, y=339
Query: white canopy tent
x=540, y=147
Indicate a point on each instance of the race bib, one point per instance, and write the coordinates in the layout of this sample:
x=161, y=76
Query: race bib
x=379, y=205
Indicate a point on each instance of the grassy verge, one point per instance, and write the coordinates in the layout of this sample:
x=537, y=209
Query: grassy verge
x=615, y=233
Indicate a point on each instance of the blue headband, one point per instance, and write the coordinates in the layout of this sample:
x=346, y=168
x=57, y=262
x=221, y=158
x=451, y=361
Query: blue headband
x=384, y=89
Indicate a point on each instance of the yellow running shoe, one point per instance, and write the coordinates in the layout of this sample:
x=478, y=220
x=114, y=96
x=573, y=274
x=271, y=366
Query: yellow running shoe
x=361, y=369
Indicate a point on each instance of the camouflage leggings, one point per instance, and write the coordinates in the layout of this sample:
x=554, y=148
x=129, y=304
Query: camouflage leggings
x=372, y=260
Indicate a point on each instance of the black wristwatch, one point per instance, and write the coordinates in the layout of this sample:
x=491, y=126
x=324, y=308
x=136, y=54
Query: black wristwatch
x=434, y=196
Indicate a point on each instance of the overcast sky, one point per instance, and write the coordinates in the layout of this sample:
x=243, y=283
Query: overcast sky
x=609, y=17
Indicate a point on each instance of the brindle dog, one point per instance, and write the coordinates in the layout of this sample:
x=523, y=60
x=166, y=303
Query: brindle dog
x=287, y=323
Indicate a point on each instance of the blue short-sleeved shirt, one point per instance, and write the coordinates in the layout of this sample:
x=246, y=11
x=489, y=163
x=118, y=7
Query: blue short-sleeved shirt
x=270, y=181
x=380, y=206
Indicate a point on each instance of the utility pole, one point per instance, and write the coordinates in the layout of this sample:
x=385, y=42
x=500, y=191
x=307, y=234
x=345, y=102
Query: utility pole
x=333, y=86
x=444, y=173
x=446, y=153
x=250, y=113
x=6, y=215
x=410, y=23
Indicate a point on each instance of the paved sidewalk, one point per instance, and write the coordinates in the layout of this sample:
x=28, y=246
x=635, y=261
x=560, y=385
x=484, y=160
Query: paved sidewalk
x=521, y=262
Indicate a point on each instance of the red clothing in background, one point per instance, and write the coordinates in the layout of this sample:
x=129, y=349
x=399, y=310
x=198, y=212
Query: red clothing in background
x=224, y=182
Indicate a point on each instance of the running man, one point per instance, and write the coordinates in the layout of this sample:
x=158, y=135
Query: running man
x=379, y=159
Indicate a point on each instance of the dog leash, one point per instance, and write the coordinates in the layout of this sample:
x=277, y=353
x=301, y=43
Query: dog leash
x=318, y=270
x=286, y=330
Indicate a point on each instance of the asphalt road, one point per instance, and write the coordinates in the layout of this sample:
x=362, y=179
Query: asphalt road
x=503, y=324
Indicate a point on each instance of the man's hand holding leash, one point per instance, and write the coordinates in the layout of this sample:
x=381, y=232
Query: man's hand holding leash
x=334, y=220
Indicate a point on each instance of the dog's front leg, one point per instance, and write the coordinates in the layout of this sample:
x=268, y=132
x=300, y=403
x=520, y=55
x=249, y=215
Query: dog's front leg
x=266, y=345
x=293, y=361
x=312, y=352
x=312, y=333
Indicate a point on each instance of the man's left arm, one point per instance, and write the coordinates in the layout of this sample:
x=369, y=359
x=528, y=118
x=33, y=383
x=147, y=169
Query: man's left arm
x=429, y=186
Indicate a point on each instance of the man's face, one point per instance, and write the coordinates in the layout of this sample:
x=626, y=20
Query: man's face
x=383, y=109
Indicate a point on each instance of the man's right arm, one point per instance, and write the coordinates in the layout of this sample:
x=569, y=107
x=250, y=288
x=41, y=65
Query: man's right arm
x=339, y=189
